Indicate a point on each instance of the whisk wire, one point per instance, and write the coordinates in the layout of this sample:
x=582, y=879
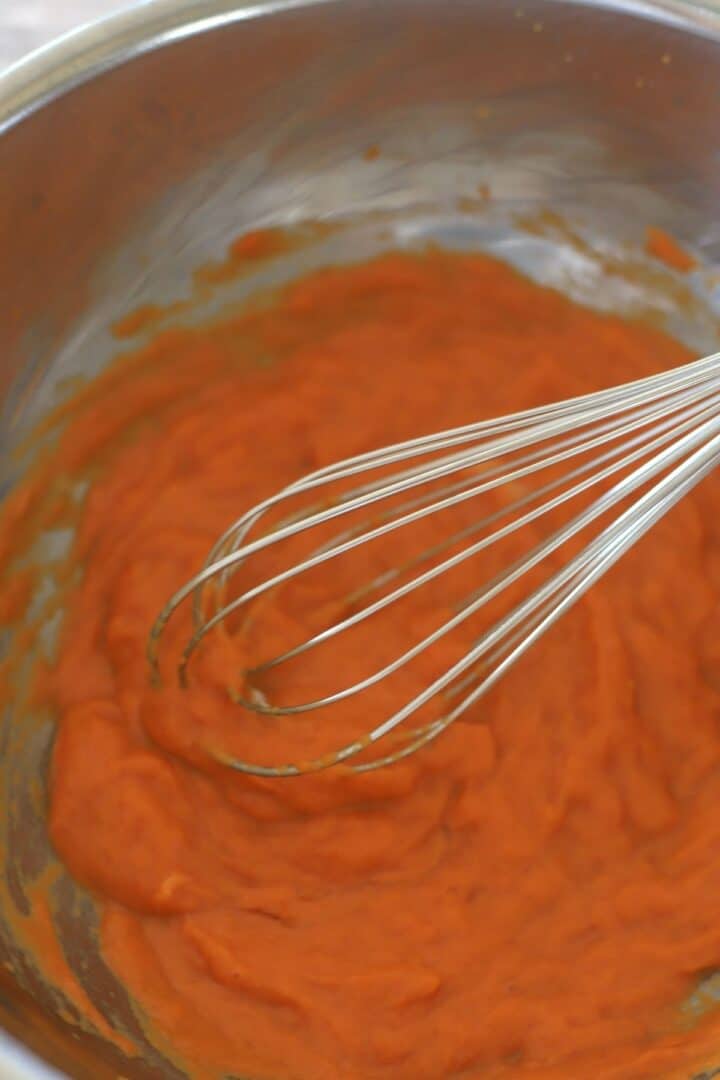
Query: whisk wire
x=665, y=426
x=538, y=460
x=410, y=586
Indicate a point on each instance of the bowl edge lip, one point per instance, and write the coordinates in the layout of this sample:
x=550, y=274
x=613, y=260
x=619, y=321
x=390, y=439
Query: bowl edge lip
x=97, y=47
x=90, y=50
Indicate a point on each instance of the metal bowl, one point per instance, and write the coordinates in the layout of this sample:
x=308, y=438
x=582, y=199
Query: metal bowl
x=135, y=150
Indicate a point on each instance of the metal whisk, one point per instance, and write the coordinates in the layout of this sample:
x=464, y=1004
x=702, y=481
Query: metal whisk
x=655, y=439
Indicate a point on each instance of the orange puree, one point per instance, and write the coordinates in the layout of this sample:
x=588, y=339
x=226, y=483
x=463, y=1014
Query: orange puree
x=665, y=248
x=532, y=896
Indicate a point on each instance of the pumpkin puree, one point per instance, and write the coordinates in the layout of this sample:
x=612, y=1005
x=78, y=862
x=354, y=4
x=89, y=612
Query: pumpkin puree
x=534, y=896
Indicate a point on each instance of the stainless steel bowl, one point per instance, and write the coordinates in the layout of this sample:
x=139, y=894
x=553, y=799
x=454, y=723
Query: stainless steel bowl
x=133, y=151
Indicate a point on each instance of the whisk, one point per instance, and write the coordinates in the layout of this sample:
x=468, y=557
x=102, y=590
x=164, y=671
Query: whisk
x=653, y=439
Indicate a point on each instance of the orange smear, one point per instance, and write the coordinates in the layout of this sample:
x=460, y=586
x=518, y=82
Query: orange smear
x=532, y=896
x=144, y=318
x=662, y=246
x=247, y=249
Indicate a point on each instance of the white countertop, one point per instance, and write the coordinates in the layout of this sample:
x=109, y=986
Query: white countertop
x=27, y=24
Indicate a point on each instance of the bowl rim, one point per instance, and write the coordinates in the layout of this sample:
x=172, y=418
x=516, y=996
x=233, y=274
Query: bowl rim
x=84, y=53
x=81, y=55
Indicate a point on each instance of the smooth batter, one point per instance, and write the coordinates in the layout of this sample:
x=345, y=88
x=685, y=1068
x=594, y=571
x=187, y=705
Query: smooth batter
x=535, y=896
